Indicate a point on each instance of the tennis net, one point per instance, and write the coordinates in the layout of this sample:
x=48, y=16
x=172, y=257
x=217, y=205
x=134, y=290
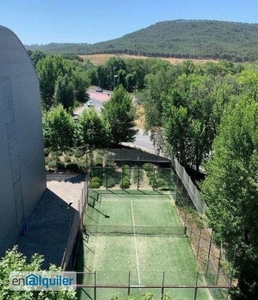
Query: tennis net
x=148, y=230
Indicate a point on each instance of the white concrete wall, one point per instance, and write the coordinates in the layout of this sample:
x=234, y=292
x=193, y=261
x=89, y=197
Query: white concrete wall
x=22, y=172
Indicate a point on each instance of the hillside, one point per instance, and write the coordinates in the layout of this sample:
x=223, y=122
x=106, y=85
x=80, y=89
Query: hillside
x=99, y=59
x=180, y=39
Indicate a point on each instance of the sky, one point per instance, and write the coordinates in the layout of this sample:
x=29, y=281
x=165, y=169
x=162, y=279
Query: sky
x=92, y=21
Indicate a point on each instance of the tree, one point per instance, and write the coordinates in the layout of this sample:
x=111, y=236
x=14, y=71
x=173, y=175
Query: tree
x=120, y=113
x=81, y=84
x=47, y=78
x=64, y=92
x=50, y=69
x=36, y=56
x=158, y=86
x=91, y=130
x=231, y=191
x=58, y=129
x=16, y=261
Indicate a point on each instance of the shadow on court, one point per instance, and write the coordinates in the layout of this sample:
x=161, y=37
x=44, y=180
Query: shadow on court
x=48, y=229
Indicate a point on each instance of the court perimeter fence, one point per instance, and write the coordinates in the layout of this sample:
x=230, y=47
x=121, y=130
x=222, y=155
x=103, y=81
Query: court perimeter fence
x=128, y=286
x=71, y=250
x=192, y=192
x=211, y=256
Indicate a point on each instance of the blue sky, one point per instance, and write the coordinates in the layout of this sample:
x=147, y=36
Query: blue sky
x=91, y=21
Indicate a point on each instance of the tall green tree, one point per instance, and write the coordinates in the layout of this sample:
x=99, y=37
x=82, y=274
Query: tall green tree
x=189, y=119
x=81, y=84
x=50, y=70
x=120, y=113
x=58, y=129
x=91, y=130
x=36, y=56
x=47, y=78
x=154, y=97
x=231, y=191
x=16, y=261
x=64, y=92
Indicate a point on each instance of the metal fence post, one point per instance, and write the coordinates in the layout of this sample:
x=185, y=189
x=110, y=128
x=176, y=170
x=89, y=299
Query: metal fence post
x=191, y=227
x=196, y=286
x=95, y=285
x=129, y=283
x=177, y=187
x=209, y=253
x=162, y=287
x=232, y=272
x=105, y=174
x=218, y=270
x=199, y=242
x=170, y=179
x=185, y=230
x=154, y=180
x=122, y=177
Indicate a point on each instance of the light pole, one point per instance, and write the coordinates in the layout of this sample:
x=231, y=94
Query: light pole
x=115, y=76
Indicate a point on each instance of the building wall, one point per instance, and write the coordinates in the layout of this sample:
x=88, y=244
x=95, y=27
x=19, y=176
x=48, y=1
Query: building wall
x=22, y=171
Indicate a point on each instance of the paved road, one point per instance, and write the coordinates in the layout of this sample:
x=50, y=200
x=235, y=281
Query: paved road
x=142, y=140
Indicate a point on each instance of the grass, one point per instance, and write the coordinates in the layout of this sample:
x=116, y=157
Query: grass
x=146, y=257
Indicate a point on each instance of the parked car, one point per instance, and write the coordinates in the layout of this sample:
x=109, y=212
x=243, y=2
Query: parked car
x=90, y=103
x=99, y=89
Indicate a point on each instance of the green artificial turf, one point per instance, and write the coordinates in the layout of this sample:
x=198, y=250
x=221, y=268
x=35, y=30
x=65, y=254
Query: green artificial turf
x=146, y=257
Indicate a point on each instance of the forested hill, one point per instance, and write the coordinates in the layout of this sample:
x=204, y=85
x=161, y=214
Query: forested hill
x=180, y=38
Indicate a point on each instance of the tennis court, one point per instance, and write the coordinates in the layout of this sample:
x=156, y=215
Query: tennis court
x=136, y=236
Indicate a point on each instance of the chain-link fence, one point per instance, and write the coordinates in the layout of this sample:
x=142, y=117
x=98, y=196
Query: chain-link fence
x=210, y=254
x=144, y=177
x=192, y=192
x=135, y=169
x=69, y=256
x=197, y=289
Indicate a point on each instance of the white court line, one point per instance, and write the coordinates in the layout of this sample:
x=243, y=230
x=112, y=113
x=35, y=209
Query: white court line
x=135, y=246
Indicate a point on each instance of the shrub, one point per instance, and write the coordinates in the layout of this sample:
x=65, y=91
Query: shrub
x=67, y=159
x=53, y=155
x=95, y=179
x=47, y=160
x=100, y=153
x=78, y=153
x=126, y=167
x=124, y=184
x=125, y=177
x=46, y=151
x=148, y=167
x=69, y=152
x=99, y=162
x=108, y=181
x=99, y=156
x=126, y=170
x=52, y=164
x=137, y=173
x=95, y=185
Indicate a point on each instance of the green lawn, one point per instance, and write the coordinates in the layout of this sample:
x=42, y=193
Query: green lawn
x=146, y=257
